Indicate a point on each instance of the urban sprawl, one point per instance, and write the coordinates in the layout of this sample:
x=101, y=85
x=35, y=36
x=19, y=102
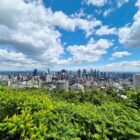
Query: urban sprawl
x=68, y=80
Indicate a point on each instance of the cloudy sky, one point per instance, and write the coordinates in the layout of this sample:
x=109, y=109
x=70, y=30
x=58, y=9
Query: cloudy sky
x=71, y=34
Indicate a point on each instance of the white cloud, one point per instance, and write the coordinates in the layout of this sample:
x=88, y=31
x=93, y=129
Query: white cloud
x=100, y=3
x=107, y=12
x=115, y=48
x=105, y=30
x=79, y=14
x=123, y=66
x=130, y=35
x=11, y=59
x=28, y=32
x=126, y=66
x=90, y=52
x=121, y=2
x=123, y=34
x=137, y=3
x=30, y=29
x=72, y=23
x=120, y=54
x=96, y=2
x=11, y=56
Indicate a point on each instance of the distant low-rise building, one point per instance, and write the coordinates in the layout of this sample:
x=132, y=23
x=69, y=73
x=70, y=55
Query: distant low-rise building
x=9, y=83
x=62, y=85
x=136, y=80
x=77, y=87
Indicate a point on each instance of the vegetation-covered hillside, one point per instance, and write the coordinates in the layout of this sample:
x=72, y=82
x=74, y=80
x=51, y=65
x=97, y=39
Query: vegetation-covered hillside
x=36, y=114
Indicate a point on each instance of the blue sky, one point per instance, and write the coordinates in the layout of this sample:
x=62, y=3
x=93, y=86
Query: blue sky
x=71, y=34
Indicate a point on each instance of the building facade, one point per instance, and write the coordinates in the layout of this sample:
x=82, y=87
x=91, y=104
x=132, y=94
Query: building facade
x=136, y=79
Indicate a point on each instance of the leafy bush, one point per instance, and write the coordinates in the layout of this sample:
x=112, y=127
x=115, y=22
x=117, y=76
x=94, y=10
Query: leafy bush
x=35, y=114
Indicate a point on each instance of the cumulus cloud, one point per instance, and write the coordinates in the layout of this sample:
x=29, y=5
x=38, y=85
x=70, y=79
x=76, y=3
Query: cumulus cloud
x=121, y=2
x=79, y=14
x=72, y=23
x=24, y=26
x=29, y=29
x=118, y=66
x=96, y=2
x=11, y=59
x=138, y=3
x=123, y=34
x=32, y=32
x=100, y=3
x=123, y=66
x=107, y=12
x=105, y=30
x=130, y=35
x=90, y=52
x=120, y=54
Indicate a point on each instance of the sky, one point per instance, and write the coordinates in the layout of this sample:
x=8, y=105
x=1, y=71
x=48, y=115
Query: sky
x=70, y=34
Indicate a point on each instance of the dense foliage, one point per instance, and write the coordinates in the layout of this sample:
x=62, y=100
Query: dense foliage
x=36, y=114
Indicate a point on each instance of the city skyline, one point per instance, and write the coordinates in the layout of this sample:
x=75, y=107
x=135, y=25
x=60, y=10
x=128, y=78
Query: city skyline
x=81, y=34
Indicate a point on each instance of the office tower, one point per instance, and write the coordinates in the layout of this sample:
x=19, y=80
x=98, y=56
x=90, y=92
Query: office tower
x=91, y=72
x=79, y=73
x=105, y=75
x=35, y=72
x=48, y=71
x=95, y=73
x=70, y=72
x=124, y=76
x=59, y=75
x=84, y=71
x=18, y=77
x=98, y=74
x=101, y=74
x=63, y=74
x=63, y=71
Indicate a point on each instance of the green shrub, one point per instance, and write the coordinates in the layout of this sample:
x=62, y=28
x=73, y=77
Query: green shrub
x=29, y=114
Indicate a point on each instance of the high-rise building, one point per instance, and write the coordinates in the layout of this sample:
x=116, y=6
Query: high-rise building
x=70, y=72
x=91, y=72
x=98, y=74
x=136, y=79
x=84, y=71
x=95, y=73
x=63, y=74
x=105, y=76
x=35, y=72
x=79, y=73
x=48, y=71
